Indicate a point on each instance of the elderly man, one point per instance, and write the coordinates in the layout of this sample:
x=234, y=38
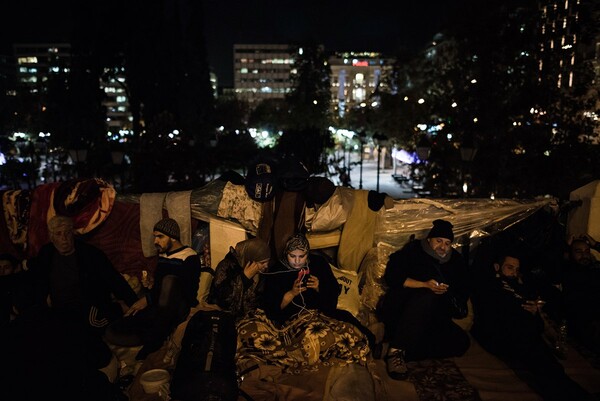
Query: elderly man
x=425, y=280
x=174, y=291
x=65, y=301
x=76, y=277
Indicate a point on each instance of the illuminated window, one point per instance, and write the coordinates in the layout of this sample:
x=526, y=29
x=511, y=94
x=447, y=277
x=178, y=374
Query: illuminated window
x=243, y=70
x=359, y=79
x=121, y=99
x=27, y=60
x=359, y=94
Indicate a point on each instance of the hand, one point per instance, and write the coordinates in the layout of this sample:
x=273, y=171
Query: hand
x=147, y=280
x=531, y=307
x=589, y=240
x=313, y=282
x=252, y=269
x=137, y=306
x=437, y=288
x=297, y=288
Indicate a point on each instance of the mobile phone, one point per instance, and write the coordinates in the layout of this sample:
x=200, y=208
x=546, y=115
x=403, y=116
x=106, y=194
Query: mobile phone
x=303, y=276
x=305, y=279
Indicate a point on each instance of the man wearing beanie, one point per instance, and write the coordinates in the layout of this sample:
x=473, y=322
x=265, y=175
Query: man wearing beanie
x=417, y=308
x=173, y=291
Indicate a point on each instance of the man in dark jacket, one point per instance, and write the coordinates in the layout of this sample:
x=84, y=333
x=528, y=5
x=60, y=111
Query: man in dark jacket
x=77, y=278
x=417, y=309
x=173, y=293
x=507, y=323
x=581, y=292
x=64, y=300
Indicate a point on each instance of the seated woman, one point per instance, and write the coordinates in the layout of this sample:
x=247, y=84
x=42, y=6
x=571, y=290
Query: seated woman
x=295, y=329
x=237, y=284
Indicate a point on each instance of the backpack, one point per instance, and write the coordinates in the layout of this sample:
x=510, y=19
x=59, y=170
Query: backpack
x=205, y=369
x=261, y=180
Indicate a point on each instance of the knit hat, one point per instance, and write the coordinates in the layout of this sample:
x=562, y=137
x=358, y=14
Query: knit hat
x=169, y=227
x=441, y=229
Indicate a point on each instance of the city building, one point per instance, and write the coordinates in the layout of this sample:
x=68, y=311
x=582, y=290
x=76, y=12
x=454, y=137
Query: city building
x=262, y=71
x=38, y=62
x=118, y=114
x=563, y=47
x=355, y=79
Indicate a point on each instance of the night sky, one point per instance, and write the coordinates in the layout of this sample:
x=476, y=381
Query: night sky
x=339, y=25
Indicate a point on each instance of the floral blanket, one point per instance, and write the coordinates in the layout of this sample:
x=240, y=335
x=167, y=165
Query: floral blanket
x=310, y=339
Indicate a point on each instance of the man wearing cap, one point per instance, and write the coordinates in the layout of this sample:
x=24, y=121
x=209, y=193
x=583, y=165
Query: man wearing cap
x=422, y=278
x=174, y=291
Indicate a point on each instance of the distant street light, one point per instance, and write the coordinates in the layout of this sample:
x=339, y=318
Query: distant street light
x=380, y=140
x=78, y=157
x=468, y=150
x=361, y=138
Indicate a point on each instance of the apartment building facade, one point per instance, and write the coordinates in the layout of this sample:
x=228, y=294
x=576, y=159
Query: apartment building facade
x=36, y=63
x=356, y=78
x=262, y=71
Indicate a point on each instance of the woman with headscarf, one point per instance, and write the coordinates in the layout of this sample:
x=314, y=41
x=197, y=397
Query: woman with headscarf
x=289, y=293
x=294, y=330
x=237, y=284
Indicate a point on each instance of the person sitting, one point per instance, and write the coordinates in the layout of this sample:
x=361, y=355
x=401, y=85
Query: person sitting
x=64, y=300
x=237, y=284
x=74, y=277
x=507, y=323
x=294, y=328
x=581, y=292
x=417, y=308
x=8, y=280
x=173, y=293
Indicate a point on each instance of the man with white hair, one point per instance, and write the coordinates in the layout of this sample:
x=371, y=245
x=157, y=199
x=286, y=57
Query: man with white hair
x=73, y=276
x=56, y=341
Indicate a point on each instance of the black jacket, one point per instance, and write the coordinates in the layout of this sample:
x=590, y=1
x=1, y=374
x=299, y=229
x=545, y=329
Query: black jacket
x=412, y=261
x=98, y=279
x=280, y=280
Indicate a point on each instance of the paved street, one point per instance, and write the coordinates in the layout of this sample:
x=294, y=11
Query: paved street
x=387, y=183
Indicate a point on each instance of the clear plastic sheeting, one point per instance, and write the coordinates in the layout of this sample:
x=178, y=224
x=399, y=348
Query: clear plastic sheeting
x=473, y=219
x=204, y=201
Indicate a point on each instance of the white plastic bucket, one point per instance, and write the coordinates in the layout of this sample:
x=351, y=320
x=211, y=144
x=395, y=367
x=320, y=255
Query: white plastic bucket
x=154, y=380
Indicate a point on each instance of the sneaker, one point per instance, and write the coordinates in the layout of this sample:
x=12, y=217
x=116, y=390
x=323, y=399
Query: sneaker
x=396, y=367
